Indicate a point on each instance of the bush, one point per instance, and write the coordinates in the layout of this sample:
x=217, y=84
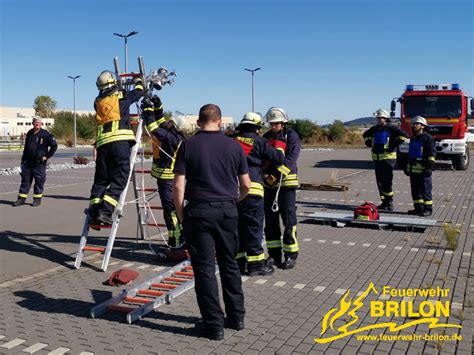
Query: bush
x=81, y=160
x=337, y=131
x=304, y=128
x=86, y=126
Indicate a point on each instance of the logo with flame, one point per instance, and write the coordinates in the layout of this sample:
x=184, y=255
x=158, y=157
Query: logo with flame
x=349, y=307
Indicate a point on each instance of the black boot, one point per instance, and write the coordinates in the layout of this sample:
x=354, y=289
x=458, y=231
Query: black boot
x=19, y=202
x=417, y=210
x=104, y=218
x=36, y=202
x=290, y=261
x=274, y=259
x=260, y=269
x=386, y=205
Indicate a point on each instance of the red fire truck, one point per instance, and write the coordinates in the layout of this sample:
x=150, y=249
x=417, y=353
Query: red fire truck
x=446, y=108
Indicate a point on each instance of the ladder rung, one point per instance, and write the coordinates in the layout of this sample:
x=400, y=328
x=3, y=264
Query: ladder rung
x=117, y=308
x=143, y=171
x=162, y=285
x=101, y=249
x=175, y=279
x=184, y=273
x=133, y=123
x=188, y=268
x=147, y=189
x=155, y=207
x=137, y=300
x=150, y=293
x=132, y=75
x=156, y=225
x=134, y=115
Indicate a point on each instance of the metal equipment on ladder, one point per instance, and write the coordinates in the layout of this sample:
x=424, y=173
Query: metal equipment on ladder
x=149, y=295
x=144, y=209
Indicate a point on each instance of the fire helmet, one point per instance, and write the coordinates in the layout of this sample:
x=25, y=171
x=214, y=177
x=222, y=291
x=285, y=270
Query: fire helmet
x=381, y=113
x=419, y=119
x=276, y=114
x=253, y=119
x=106, y=80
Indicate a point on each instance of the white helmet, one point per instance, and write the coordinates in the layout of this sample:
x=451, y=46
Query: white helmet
x=381, y=113
x=181, y=123
x=252, y=118
x=106, y=80
x=419, y=119
x=275, y=115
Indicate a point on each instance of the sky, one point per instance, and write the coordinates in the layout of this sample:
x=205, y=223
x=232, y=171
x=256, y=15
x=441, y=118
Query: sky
x=321, y=60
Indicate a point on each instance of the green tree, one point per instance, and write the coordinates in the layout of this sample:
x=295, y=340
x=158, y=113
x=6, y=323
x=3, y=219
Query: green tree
x=305, y=128
x=336, y=131
x=44, y=106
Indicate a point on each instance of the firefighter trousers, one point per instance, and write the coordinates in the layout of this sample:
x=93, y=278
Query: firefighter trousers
x=384, y=177
x=421, y=187
x=250, y=231
x=112, y=171
x=287, y=211
x=209, y=230
x=28, y=173
x=165, y=190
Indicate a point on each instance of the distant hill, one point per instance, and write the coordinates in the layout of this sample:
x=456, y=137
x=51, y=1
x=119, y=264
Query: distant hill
x=363, y=121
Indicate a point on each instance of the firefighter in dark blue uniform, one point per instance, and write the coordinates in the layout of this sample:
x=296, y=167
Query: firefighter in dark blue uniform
x=251, y=209
x=169, y=138
x=384, y=138
x=115, y=138
x=216, y=173
x=280, y=192
x=40, y=146
x=421, y=160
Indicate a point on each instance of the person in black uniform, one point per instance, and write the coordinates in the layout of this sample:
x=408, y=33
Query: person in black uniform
x=251, y=210
x=40, y=146
x=421, y=160
x=115, y=138
x=212, y=165
x=280, y=184
x=384, y=138
x=170, y=139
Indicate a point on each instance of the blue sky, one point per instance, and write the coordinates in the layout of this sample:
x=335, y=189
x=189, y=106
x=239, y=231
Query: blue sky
x=321, y=59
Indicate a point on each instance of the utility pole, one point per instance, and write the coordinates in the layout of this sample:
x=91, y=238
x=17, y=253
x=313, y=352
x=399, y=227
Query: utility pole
x=253, y=97
x=74, y=94
x=125, y=37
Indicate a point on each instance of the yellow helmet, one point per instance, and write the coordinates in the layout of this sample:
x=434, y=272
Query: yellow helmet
x=106, y=80
x=253, y=119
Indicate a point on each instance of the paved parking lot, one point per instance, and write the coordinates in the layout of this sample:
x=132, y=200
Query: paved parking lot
x=45, y=302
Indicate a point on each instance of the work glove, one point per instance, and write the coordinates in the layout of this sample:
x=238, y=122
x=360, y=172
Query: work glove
x=158, y=107
x=148, y=113
x=429, y=164
x=368, y=143
x=407, y=173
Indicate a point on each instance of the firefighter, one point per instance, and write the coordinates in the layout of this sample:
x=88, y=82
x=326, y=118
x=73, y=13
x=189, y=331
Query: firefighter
x=280, y=183
x=251, y=210
x=421, y=160
x=384, y=138
x=40, y=146
x=170, y=139
x=215, y=170
x=115, y=138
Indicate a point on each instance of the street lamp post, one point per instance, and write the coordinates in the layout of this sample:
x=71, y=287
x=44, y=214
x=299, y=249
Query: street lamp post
x=125, y=37
x=253, y=98
x=74, y=94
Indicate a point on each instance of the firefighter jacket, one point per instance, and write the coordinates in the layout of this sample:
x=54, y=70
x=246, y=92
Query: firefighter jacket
x=384, y=141
x=288, y=140
x=421, y=154
x=258, y=151
x=164, y=151
x=38, y=145
x=112, y=108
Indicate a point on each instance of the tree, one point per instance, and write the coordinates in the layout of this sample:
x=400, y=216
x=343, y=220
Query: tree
x=44, y=106
x=337, y=131
x=304, y=128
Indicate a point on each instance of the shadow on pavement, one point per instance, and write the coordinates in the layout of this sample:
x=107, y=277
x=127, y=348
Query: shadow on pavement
x=345, y=164
x=35, y=301
x=7, y=202
x=67, y=197
x=329, y=206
